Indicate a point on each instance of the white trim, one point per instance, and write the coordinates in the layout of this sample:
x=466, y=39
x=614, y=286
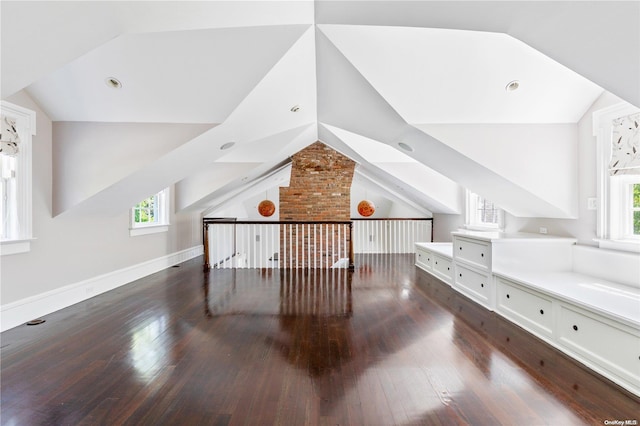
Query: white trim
x=482, y=228
x=145, y=230
x=27, y=113
x=10, y=247
x=18, y=312
x=26, y=123
x=621, y=245
x=471, y=222
x=163, y=200
x=608, y=215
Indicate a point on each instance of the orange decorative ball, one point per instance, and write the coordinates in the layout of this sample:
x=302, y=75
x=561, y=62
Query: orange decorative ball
x=266, y=208
x=366, y=208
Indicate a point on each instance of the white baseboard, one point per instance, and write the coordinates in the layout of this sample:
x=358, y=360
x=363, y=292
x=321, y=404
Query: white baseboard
x=21, y=311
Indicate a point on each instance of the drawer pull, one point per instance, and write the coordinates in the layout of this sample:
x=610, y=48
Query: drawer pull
x=541, y=312
x=575, y=327
x=481, y=254
x=482, y=285
x=436, y=262
x=448, y=268
x=508, y=297
x=460, y=247
x=461, y=275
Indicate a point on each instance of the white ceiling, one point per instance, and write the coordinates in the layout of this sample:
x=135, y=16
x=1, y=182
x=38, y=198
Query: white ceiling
x=196, y=76
x=364, y=74
x=452, y=76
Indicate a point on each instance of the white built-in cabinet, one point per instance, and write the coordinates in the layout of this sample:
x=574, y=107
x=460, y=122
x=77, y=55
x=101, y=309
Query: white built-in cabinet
x=477, y=255
x=436, y=258
x=534, y=282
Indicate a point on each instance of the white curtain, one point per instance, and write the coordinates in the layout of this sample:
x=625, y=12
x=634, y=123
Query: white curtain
x=9, y=138
x=625, y=146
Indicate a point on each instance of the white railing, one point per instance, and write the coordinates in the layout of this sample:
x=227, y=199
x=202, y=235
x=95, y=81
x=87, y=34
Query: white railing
x=315, y=245
x=244, y=245
x=307, y=245
x=390, y=235
x=291, y=245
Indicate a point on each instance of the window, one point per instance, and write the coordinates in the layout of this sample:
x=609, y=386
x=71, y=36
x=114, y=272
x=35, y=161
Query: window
x=635, y=209
x=618, y=158
x=17, y=128
x=482, y=213
x=9, y=198
x=151, y=215
x=625, y=191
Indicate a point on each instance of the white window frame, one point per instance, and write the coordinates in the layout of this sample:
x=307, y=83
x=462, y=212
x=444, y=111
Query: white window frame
x=26, y=126
x=161, y=224
x=621, y=188
x=612, y=191
x=632, y=210
x=473, y=221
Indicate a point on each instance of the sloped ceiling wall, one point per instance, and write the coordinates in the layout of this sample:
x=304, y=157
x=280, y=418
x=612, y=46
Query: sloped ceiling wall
x=428, y=74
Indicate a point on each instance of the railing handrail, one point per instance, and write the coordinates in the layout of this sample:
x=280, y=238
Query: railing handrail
x=392, y=218
x=283, y=222
x=275, y=222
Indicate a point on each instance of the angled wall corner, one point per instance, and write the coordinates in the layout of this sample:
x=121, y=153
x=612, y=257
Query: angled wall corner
x=540, y=159
x=89, y=157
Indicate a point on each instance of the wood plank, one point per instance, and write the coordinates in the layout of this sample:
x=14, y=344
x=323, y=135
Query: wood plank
x=388, y=344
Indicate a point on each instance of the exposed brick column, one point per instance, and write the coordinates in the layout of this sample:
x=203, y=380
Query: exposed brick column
x=319, y=190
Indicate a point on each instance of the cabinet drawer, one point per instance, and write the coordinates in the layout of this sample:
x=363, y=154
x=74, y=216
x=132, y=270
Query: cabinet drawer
x=474, y=284
x=423, y=259
x=531, y=310
x=475, y=252
x=610, y=346
x=443, y=268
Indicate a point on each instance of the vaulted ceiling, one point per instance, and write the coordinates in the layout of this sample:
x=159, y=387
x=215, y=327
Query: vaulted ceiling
x=414, y=91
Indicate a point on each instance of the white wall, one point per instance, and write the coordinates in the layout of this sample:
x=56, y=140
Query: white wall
x=540, y=158
x=194, y=188
x=584, y=227
x=70, y=247
x=89, y=157
x=387, y=204
x=444, y=224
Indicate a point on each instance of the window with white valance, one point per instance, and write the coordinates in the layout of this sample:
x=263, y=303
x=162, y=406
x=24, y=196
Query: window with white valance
x=9, y=136
x=625, y=146
x=17, y=126
x=617, y=129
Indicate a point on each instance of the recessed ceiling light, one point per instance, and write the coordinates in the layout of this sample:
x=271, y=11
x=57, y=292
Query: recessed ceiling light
x=295, y=108
x=113, y=82
x=227, y=145
x=405, y=146
x=512, y=86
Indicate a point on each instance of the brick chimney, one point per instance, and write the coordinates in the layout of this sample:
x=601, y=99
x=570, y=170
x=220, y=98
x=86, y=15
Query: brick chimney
x=319, y=190
x=320, y=186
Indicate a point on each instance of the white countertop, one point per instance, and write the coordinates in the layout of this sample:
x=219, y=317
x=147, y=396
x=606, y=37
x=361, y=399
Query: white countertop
x=510, y=236
x=608, y=298
x=444, y=249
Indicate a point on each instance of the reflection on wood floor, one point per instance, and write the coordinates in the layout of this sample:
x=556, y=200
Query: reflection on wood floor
x=386, y=344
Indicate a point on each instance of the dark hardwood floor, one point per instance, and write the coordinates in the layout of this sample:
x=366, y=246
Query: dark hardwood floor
x=384, y=345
